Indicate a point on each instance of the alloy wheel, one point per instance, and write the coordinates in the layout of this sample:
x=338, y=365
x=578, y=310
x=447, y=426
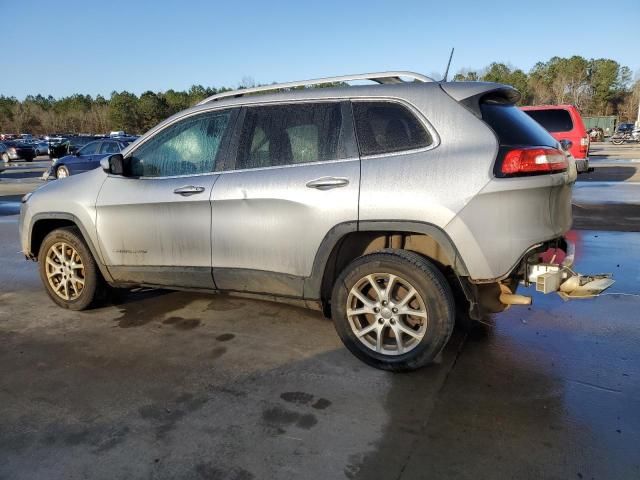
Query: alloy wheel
x=386, y=313
x=65, y=271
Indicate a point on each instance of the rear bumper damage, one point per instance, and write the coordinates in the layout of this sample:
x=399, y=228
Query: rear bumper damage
x=548, y=267
x=552, y=272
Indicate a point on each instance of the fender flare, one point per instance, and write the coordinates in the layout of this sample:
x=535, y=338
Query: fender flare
x=72, y=218
x=313, y=283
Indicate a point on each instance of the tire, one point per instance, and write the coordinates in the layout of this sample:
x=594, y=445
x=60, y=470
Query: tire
x=62, y=172
x=64, y=247
x=617, y=141
x=433, y=301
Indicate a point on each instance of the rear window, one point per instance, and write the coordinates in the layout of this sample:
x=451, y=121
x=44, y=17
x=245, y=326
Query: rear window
x=385, y=127
x=514, y=127
x=290, y=134
x=553, y=120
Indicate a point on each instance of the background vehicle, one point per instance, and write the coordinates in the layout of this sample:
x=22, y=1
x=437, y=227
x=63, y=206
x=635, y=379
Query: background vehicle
x=362, y=201
x=626, y=133
x=4, y=156
x=19, y=150
x=41, y=147
x=87, y=158
x=564, y=123
x=59, y=148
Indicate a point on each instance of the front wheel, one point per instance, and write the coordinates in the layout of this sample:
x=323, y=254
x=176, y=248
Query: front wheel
x=393, y=309
x=62, y=172
x=68, y=270
x=617, y=141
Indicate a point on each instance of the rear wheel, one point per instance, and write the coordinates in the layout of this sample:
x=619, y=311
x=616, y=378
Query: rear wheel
x=394, y=310
x=62, y=172
x=68, y=270
x=617, y=141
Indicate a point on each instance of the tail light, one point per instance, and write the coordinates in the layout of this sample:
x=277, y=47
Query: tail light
x=525, y=161
x=584, y=144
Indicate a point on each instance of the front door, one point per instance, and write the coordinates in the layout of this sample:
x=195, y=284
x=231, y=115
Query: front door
x=154, y=224
x=296, y=175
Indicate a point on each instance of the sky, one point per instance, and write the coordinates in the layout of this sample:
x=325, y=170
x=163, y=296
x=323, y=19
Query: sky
x=95, y=47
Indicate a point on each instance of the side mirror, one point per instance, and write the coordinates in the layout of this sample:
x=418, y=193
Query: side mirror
x=114, y=164
x=566, y=144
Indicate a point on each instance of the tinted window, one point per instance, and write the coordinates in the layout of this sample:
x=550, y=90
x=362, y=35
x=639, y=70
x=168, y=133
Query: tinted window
x=290, y=134
x=385, y=127
x=513, y=126
x=89, y=149
x=109, y=147
x=185, y=148
x=553, y=120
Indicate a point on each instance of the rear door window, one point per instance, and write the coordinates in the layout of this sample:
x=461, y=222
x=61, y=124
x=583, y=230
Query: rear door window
x=387, y=127
x=109, y=147
x=290, y=134
x=553, y=120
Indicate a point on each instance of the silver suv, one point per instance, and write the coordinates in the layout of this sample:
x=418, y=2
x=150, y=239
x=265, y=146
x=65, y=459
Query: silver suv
x=393, y=207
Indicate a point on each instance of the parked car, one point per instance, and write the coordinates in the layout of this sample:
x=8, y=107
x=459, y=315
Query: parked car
x=87, y=158
x=60, y=147
x=4, y=155
x=364, y=202
x=41, y=147
x=19, y=150
x=565, y=124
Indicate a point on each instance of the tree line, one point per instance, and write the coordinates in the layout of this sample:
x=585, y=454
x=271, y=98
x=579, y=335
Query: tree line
x=596, y=86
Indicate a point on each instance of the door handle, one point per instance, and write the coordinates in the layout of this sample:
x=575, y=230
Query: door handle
x=327, y=183
x=188, y=190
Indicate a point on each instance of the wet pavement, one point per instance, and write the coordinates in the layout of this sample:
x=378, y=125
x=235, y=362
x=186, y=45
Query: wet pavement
x=182, y=385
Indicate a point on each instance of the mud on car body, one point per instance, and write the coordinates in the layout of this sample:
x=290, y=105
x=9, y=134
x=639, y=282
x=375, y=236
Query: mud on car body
x=364, y=202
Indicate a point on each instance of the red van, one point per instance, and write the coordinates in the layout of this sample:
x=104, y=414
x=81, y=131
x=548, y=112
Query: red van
x=564, y=123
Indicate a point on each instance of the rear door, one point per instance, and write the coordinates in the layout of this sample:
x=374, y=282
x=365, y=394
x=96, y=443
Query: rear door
x=295, y=176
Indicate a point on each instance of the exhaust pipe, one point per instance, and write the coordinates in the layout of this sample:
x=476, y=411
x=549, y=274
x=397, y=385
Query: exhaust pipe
x=509, y=298
x=514, y=299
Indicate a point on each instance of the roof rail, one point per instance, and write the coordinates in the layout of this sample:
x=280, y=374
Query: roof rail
x=379, y=77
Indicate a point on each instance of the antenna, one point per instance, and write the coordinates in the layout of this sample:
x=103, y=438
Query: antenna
x=446, y=72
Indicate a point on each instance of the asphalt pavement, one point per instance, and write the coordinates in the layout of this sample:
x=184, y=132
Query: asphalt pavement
x=182, y=385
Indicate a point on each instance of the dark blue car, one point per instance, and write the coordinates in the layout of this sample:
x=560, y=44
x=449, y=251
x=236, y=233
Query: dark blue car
x=87, y=158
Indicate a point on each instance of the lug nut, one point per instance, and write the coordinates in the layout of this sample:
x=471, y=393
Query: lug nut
x=394, y=310
x=376, y=309
x=380, y=320
x=384, y=302
x=392, y=321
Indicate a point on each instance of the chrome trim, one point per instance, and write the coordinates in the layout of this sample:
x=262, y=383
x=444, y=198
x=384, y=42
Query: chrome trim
x=323, y=162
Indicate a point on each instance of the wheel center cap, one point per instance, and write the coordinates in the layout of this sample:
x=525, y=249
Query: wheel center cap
x=386, y=313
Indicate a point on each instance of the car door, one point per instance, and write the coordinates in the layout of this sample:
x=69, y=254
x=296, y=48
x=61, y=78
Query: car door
x=84, y=157
x=154, y=224
x=295, y=176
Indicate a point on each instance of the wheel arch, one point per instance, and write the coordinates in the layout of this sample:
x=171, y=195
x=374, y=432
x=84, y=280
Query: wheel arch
x=350, y=240
x=44, y=223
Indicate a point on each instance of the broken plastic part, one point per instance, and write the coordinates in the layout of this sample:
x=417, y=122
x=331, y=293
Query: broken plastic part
x=588, y=286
